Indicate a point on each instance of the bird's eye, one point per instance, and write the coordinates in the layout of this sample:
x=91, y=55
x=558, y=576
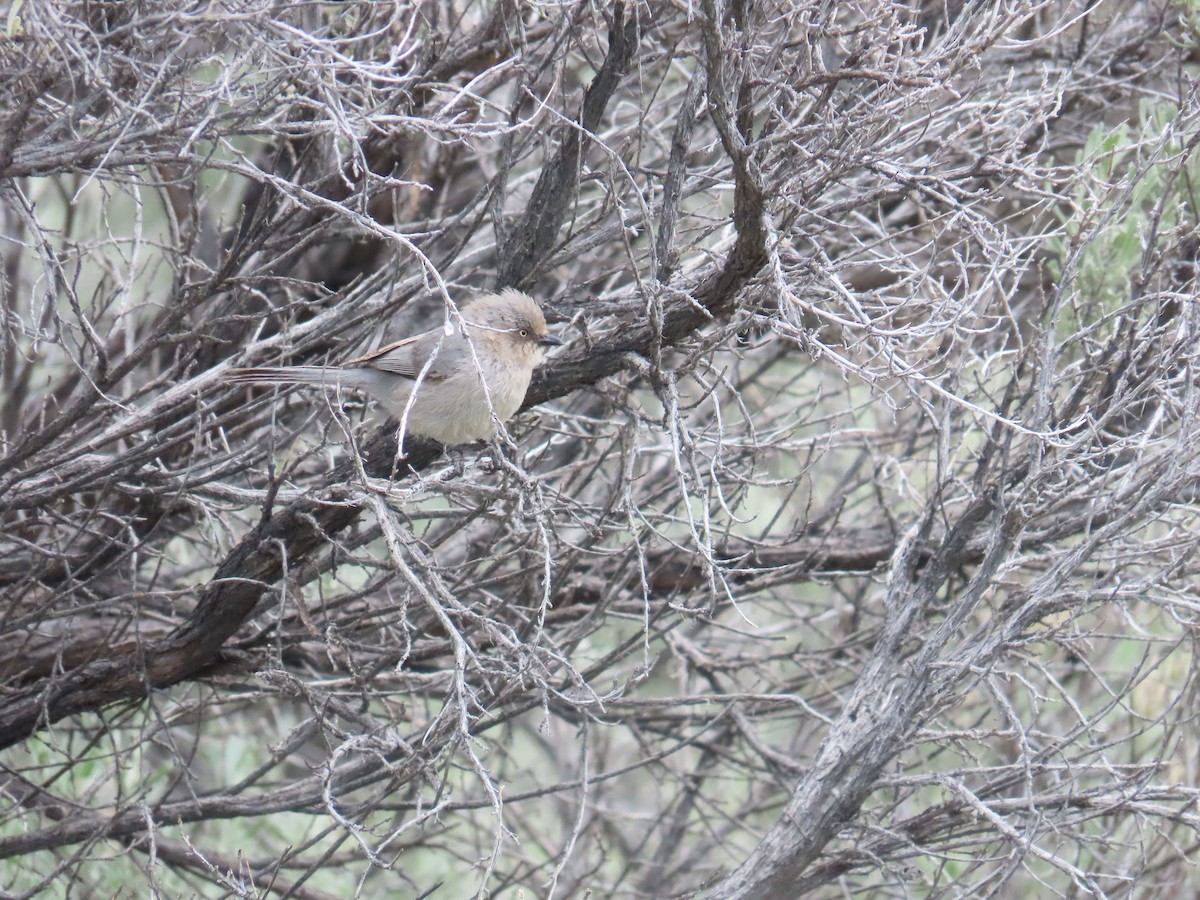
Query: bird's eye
x=523, y=333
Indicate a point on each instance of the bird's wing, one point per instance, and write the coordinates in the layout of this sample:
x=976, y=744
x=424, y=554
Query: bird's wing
x=408, y=357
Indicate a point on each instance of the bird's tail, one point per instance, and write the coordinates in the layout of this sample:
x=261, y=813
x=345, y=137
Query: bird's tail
x=320, y=375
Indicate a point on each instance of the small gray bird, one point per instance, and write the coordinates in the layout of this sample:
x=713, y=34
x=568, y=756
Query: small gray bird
x=442, y=384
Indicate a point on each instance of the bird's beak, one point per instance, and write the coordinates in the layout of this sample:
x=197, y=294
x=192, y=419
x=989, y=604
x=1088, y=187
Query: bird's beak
x=549, y=341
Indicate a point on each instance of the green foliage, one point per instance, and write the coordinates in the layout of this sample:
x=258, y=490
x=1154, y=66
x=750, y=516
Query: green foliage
x=1138, y=181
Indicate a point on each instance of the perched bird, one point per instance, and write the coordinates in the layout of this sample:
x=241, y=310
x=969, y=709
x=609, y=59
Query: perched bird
x=443, y=384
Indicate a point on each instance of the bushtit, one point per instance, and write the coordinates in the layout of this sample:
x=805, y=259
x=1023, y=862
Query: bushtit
x=442, y=384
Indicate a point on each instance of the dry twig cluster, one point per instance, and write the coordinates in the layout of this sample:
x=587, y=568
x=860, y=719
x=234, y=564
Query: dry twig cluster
x=849, y=547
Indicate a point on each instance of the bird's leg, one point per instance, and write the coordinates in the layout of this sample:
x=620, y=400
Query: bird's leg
x=457, y=460
x=500, y=455
x=487, y=460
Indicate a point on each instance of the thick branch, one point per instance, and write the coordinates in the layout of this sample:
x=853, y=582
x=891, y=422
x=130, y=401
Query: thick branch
x=534, y=238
